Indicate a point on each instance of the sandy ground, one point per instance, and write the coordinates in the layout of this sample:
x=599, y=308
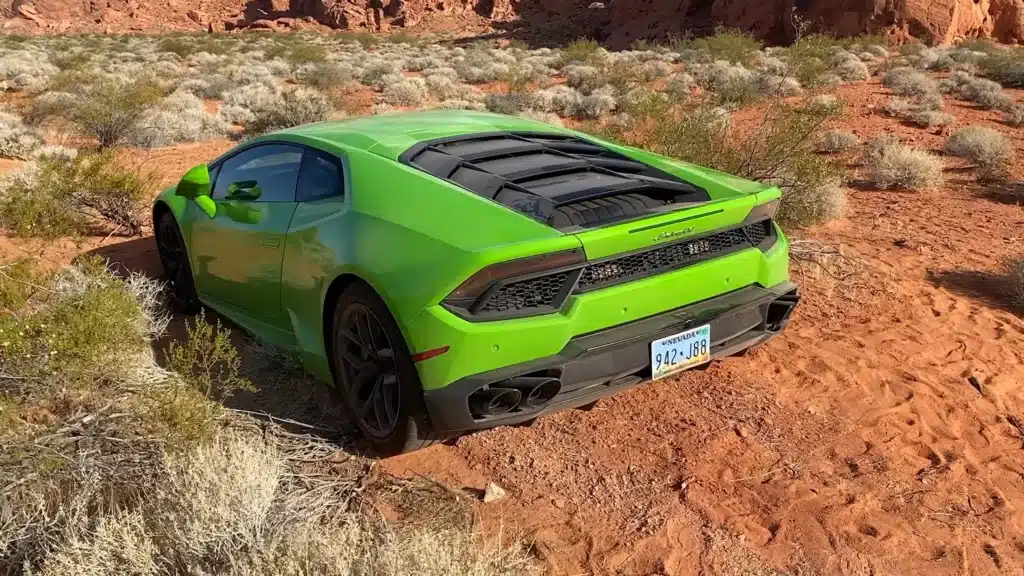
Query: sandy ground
x=876, y=436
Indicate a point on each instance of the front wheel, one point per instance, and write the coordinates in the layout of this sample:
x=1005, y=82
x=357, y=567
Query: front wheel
x=379, y=387
x=174, y=258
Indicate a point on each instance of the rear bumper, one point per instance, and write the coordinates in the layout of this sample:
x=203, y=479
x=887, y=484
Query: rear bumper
x=602, y=363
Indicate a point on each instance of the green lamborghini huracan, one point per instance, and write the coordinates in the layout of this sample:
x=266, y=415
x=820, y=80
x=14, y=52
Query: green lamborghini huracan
x=450, y=271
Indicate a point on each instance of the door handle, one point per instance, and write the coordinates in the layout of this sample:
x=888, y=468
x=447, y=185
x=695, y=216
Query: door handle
x=271, y=243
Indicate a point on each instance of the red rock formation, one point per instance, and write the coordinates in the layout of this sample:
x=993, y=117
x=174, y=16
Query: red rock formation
x=618, y=22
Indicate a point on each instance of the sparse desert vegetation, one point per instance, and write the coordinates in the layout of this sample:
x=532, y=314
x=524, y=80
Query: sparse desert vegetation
x=120, y=449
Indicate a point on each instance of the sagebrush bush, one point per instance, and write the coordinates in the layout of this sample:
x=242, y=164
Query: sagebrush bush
x=930, y=118
x=852, y=70
x=181, y=117
x=891, y=164
x=17, y=140
x=1015, y=115
x=986, y=93
x=909, y=82
x=292, y=108
x=836, y=141
x=985, y=147
x=405, y=92
x=57, y=196
x=1005, y=66
x=580, y=51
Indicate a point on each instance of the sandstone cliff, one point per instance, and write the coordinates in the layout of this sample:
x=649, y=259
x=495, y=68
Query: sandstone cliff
x=618, y=22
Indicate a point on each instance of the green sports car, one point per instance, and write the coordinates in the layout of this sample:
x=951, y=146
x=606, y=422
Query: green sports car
x=451, y=271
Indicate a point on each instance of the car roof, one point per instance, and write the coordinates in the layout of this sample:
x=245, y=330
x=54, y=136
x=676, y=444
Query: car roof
x=392, y=134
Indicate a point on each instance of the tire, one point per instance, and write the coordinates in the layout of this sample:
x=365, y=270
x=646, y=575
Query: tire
x=177, y=271
x=371, y=412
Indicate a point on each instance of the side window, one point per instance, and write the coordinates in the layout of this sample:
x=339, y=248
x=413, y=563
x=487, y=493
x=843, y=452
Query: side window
x=273, y=168
x=321, y=177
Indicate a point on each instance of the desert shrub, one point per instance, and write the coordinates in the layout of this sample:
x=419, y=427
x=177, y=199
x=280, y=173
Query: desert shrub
x=930, y=118
x=897, y=107
x=109, y=108
x=598, y=103
x=781, y=151
x=17, y=140
x=891, y=164
x=733, y=46
x=908, y=82
x=372, y=74
x=293, y=108
x=852, y=70
x=1015, y=115
x=405, y=92
x=181, y=117
x=325, y=75
x=836, y=141
x=985, y=147
x=653, y=69
x=583, y=78
x=25, y=70
x=681, y=85
x=508, y=103
x=1005, y=66
x=77, y=328
x=1015, y=277
x=732, y=85
x=56, y=196
x=986, y=93
x=579, y=51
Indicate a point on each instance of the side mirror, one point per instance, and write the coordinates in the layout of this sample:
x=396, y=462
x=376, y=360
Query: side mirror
x=195, y=186
x=244, y=190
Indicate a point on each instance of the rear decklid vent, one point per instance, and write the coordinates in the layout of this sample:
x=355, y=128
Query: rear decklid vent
x=563, y=181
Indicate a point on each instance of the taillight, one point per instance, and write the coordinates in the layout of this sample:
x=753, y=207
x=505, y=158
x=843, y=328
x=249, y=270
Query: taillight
x=470, y=294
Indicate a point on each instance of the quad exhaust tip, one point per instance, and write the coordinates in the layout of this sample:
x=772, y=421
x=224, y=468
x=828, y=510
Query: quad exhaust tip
x=525, y=392
x=494, y=401
x=779, y=311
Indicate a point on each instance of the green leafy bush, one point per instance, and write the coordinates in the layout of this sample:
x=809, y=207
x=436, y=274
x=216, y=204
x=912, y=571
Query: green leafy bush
x=781, y=151
x=732, y=45
x=106, y=108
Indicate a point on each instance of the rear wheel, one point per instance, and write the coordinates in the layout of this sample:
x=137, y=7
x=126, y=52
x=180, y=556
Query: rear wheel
x=174, y=258
x=379, y=387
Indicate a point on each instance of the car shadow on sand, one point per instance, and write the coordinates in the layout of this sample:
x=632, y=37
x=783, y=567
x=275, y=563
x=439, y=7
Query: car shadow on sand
x=990, y=287
x=282, y=392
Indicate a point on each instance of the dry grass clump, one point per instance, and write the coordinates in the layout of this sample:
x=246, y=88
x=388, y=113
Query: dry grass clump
x=836, y=141
x=58, y=196
x=405, y=92
x=988, y=149
x=891, y=164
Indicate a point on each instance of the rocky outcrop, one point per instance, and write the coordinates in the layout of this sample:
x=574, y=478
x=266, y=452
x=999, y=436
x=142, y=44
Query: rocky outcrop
x=617, y=22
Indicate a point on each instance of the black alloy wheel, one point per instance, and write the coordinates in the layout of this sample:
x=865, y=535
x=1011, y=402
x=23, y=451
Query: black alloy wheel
x=371, y=373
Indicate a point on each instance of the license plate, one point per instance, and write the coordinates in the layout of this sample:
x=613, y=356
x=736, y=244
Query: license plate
x=681, y=351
